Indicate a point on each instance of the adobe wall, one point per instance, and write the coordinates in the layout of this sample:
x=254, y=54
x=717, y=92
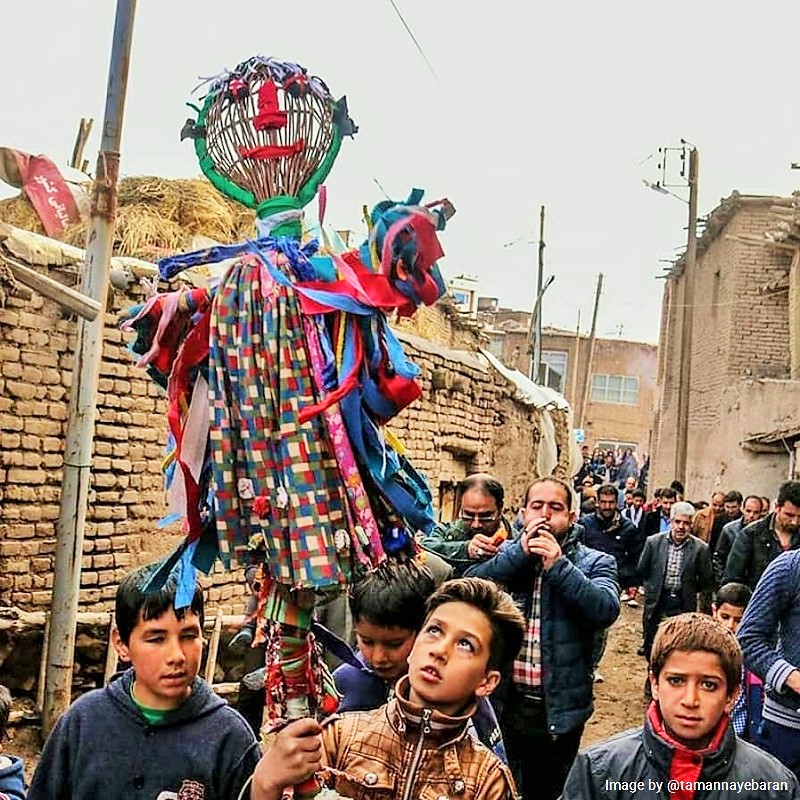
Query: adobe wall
x=467, y=420
x=738, y=331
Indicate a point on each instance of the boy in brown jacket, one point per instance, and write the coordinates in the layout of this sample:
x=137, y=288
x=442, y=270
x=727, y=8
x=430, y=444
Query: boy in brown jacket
x=418, y=742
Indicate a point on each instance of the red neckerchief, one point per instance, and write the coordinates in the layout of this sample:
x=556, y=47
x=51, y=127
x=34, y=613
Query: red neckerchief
x=686, y=764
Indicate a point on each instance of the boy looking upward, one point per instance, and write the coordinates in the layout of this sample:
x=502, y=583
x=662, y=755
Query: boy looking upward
x=418, y=740
x=388, y=608
x=158, y=730
x=695, y=671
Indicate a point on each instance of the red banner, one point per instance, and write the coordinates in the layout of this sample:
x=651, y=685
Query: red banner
x=45, y=187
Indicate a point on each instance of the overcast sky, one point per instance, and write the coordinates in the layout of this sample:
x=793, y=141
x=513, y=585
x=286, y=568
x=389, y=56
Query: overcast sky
x=528, y=104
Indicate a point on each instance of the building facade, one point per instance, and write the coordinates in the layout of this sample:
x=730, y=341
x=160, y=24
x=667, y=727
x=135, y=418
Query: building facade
x=744, y=387
x=613, y=400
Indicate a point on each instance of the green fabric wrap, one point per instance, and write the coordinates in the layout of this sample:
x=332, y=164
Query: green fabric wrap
x=277, y=205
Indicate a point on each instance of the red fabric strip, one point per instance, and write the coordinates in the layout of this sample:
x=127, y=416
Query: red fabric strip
x=267, y=151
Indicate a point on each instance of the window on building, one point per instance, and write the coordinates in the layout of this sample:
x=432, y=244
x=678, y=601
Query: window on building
x=619, y=389
x=554, y=370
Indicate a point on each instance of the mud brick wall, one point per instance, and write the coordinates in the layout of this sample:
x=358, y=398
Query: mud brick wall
x=443, y=324
x=126, y=498
x=467, y=420
x=739, y=332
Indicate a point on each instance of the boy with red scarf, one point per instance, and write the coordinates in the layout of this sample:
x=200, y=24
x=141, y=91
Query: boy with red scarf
x=687, y=749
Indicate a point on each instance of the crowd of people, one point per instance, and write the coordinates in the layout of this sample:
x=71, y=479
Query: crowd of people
x=474, y=666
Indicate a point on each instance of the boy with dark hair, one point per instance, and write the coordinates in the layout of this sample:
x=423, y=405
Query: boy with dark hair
x=388, y=608
x=12, y=775
x=158, y=731
x=686, y=748
x=418, y=741
x=728, y=610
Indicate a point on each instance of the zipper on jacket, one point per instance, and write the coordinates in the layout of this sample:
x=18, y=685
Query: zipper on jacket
x=424, y=729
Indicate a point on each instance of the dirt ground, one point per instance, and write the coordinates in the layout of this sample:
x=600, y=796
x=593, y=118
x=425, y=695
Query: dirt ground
x=618, y=700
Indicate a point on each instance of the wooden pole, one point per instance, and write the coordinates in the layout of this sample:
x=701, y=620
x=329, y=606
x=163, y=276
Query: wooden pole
x=213, y=651
x=573, y=391
x=84, y=129
x=590, y=356
x=112, y=659
x=537, y=354
x=43, y=665
x=79, y=437
x=687, y=318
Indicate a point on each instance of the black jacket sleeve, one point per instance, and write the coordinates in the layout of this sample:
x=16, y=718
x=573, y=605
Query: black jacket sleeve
x=739, y=559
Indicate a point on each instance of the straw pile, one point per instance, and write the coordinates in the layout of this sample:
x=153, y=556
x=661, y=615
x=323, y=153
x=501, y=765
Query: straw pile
x=155, y=217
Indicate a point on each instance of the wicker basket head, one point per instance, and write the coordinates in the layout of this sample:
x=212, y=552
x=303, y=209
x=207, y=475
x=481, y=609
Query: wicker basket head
x=268, y=134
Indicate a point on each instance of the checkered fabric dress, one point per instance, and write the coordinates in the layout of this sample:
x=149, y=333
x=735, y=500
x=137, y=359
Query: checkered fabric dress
x=262, y=457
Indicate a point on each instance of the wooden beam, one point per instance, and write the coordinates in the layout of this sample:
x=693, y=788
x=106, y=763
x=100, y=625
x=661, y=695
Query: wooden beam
x=16, y=620
x=65, y=296
x=213, y=650
x=84, y=129
x=43, y=665
x=112, y=658
x=750, y=239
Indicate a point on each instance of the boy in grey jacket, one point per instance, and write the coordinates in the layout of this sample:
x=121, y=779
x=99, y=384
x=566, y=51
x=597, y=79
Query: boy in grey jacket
x=158, y=731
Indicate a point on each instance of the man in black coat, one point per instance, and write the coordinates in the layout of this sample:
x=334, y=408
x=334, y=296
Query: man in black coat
x=675, y=568
x=608, y=531
x=760, y=542
x=751, y=512
x=657, y=520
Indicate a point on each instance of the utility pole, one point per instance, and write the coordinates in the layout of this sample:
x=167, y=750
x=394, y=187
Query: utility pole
x=537, y=349
x=687, y=318
x=535, y=329
x=83, y=393
x=590, y=356
x=573, y=390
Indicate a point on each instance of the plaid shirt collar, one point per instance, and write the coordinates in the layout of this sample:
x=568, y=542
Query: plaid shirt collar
x=678, y=545
x=739, y=712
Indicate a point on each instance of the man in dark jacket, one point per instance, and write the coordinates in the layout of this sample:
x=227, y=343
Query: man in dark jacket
x=760, y=542
x=657, y=520
x=770, y=637
x=480, y=528
x=675, y=568
x=751, y=511
x=568, y=593
x=609, y=532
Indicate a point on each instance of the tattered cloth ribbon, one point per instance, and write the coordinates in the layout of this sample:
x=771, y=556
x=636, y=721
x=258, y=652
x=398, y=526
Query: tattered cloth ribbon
x=268, y=151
